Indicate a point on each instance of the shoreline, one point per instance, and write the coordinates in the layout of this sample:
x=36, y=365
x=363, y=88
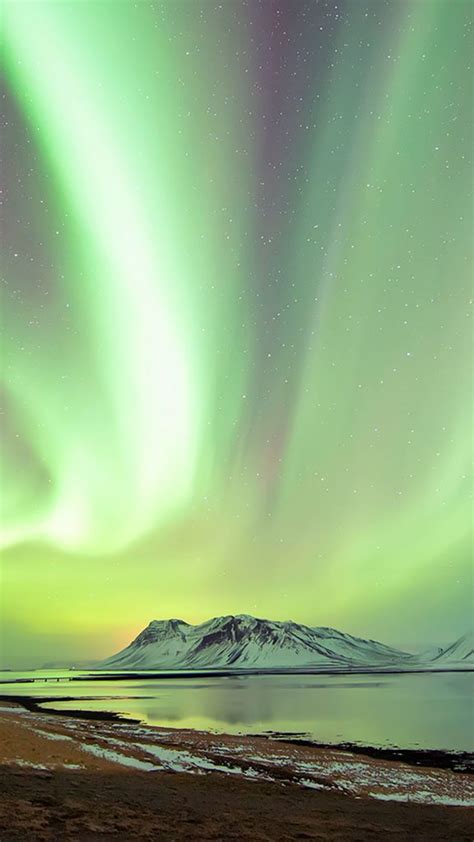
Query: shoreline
x=455, y=761
x=71, y=778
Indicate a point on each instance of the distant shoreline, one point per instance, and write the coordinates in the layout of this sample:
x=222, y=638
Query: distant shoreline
x=99, y=675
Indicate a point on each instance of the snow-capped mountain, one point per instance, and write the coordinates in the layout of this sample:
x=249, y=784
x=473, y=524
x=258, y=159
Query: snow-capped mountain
x=462, y=650
x=247, y=642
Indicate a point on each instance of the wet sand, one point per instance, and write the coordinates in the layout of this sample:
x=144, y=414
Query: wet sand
x=64, y=779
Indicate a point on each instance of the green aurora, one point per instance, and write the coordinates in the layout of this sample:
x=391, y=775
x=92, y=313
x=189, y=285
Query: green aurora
x=237, y=356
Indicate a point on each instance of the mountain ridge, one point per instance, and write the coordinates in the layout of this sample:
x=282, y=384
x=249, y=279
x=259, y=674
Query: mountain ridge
x=242, y=640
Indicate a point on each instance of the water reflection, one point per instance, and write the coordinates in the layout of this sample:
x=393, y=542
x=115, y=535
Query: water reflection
x=428, y=710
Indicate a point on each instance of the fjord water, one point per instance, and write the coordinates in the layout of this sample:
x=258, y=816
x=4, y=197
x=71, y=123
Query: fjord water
x=417, y=710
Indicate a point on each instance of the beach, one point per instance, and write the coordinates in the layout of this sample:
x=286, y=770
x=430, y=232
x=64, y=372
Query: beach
x=77, y=778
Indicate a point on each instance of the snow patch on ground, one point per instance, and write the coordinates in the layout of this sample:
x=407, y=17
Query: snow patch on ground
x=421, y=797
x=115, y=757
x=50, y=735
x=29, y=765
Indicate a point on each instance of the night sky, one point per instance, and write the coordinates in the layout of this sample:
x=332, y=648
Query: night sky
x=236, y=299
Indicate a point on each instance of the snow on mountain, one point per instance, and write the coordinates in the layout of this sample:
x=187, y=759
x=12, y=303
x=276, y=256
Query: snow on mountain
x=247, y=642
x=462, y=650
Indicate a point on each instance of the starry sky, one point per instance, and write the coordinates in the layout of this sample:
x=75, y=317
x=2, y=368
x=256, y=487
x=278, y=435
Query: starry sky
x=236, y=297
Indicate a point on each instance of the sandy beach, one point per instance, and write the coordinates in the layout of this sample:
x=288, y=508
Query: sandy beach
x=72, y=778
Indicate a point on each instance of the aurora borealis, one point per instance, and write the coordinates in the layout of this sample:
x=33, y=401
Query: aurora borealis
x=236, y=358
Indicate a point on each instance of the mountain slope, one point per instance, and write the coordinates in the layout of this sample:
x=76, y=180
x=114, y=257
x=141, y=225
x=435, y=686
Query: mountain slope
x=462, y=650
x=247, y=642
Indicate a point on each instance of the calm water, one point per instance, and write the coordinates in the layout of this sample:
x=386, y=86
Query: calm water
x=433, y=711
